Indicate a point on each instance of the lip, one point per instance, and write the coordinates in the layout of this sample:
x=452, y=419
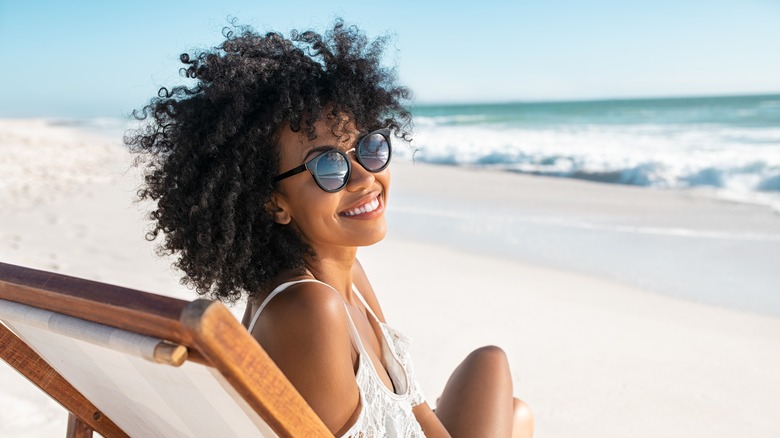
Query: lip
x=365, y=200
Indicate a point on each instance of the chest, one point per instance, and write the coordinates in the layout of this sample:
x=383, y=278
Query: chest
x=373, y=340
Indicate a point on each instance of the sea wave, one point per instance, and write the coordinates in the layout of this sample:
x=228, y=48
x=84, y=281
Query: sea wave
x=667, y=156
x=740, y=162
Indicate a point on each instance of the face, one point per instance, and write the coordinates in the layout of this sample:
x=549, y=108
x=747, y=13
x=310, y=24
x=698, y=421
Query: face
x=329, y=220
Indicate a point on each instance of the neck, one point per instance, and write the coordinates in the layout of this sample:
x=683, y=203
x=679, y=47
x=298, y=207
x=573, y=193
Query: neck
x=334, y=268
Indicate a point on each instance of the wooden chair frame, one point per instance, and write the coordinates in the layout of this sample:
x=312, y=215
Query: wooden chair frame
x=212, y=335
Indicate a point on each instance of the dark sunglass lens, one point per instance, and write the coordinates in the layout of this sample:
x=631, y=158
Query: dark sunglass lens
x=331, y=170
x=374, y=151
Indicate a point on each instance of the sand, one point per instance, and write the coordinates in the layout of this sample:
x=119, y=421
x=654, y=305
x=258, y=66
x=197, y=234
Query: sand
x=473, y=258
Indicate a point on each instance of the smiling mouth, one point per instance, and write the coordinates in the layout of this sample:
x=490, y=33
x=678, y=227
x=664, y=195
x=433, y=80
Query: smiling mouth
x=368, y=207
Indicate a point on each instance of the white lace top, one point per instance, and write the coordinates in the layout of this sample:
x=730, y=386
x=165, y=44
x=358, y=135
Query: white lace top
x=383, y=413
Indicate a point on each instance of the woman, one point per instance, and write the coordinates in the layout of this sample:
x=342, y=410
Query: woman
x=269, y=171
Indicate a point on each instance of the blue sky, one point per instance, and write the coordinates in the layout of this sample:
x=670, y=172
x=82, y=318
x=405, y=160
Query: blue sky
x=101, y=58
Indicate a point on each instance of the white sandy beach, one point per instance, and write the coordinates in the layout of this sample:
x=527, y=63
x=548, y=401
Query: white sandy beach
x=597, y=292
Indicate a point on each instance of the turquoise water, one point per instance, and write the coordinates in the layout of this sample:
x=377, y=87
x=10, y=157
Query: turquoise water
x=730, y=111
x=728, y=145
x=725, y=146
x=731, y=144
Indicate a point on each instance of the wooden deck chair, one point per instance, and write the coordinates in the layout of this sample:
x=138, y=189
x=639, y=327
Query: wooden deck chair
x=130, y=363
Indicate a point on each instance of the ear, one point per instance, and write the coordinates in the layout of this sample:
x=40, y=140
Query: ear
x=275, y=207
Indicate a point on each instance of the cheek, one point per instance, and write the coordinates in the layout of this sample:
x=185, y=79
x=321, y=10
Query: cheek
x=384, y=178
x=314, y=205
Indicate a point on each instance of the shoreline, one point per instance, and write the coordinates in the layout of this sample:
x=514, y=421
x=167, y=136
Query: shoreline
x=593, y=355
x=678, y=243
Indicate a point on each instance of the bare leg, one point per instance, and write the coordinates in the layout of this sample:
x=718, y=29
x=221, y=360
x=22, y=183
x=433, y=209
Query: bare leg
x=523, y=424
x=477, y=400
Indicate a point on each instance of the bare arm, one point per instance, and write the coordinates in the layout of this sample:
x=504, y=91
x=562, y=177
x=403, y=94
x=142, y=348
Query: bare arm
x=305, y=331
x=429, y=422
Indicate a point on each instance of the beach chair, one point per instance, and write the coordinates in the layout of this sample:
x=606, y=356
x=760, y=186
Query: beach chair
x=130, y=363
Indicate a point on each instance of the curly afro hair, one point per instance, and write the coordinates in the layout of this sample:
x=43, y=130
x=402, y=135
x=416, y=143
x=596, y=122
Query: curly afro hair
x=211, y=154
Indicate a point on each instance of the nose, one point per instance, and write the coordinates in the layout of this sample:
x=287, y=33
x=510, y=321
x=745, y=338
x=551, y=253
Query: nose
x=359, y=178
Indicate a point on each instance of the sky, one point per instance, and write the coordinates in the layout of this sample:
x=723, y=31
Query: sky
x=83, y=58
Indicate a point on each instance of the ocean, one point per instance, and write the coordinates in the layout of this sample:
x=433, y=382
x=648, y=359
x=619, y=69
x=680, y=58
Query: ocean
x=730, y=145
x=724, y=147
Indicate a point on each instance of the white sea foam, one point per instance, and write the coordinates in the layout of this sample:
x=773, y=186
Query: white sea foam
x=738, y=161
x=729, y=145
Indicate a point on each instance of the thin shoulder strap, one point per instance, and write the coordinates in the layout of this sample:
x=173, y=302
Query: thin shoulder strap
x=354, y=332
x=363, y=300
x=279, y=289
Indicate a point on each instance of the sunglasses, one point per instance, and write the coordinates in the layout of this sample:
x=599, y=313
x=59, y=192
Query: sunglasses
x=331, y=168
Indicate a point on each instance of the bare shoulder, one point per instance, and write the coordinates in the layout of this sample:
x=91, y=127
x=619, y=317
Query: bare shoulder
x=305, y=331
x=305, y=300
x=364, y=286
x=311, y=314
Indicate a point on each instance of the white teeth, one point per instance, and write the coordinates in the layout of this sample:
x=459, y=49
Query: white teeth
x=365, y=208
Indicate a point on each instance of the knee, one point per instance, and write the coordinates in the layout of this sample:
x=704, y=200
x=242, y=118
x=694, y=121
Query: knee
x=523, y=420
x=489, y=361
x=490, y=355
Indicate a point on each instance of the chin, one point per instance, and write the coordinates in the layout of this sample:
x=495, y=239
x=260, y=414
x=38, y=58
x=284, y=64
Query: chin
x=373, y=238
x=373, y=242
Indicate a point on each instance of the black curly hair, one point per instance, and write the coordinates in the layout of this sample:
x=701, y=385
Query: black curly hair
x=211, y=153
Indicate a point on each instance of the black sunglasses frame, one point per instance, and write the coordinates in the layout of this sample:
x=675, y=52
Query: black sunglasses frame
x=311, y=164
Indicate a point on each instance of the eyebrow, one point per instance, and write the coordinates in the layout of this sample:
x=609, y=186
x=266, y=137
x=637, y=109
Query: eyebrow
x=322, y=148
x=327, y=147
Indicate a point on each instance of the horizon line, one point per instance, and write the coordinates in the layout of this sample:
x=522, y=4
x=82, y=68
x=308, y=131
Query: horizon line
x=594, y=99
